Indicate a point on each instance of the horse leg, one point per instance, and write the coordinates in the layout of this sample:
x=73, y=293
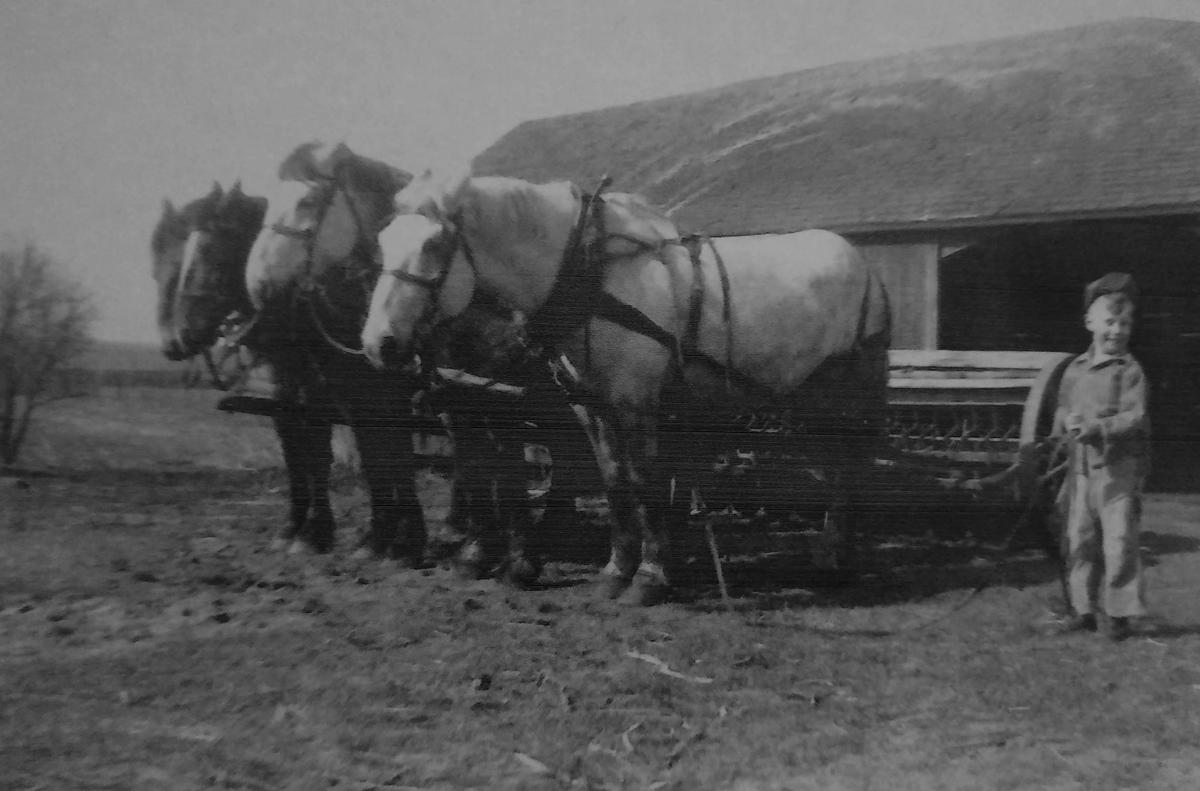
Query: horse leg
x=473, y=505
x=299, y=493
x=572, y=472
x=647, y=510
x=522, y=564
x=636, y=570
x=308, y=454
x=386, y=455
x=850, y=464
x=829, y=553
x=623, y=544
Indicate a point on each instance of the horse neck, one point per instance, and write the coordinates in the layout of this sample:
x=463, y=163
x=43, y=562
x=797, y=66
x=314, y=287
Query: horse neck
x=520, y=269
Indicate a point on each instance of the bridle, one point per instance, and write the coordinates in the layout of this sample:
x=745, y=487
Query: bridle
x=330, y=187
x=310, y=291
x=433, y=284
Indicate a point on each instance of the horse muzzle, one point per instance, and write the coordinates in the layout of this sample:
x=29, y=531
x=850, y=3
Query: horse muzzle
x=386, y=353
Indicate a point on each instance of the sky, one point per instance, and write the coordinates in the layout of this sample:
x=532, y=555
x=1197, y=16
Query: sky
x=109, y=106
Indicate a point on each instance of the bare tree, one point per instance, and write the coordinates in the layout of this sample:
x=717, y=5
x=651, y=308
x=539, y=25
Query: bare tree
x=45, y=319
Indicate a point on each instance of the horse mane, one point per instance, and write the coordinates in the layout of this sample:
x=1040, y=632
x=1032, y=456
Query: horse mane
x=521, y=208
x=377, y=179
x=517, y=206
x=174, y=226
x=635, y=216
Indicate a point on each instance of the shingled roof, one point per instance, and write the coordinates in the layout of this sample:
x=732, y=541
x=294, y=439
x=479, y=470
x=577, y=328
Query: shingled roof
x=1097, y=120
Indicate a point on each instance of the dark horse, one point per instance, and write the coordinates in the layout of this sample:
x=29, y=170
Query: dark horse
x=306, y=319
x=193, y=303
x=200, y=255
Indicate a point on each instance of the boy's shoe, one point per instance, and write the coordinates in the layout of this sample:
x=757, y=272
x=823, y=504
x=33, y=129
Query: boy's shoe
x=1078, y=623
x=1119, y=629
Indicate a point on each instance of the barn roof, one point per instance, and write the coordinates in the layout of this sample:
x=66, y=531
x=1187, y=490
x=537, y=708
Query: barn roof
x=1097, y=120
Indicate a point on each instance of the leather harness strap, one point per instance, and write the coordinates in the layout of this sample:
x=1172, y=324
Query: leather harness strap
x=625, y=315
x=578, y=294
x=576, y=290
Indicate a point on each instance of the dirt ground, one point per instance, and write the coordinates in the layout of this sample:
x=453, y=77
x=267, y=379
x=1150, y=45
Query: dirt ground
x=150, y=640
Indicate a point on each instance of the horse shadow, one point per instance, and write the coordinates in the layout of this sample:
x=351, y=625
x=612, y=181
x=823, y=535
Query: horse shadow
x=1169, y=631
x=929, y=545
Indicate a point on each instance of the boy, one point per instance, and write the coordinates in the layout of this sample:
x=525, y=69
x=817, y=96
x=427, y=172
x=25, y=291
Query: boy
x=1102, y=414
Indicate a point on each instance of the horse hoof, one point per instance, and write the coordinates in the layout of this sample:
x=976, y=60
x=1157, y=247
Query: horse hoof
x=471, y=562
x=612, y=587
x=470, y=572
x=645, y=592
x=414, y=561
x=279, y=544
x=521, y=574
x=299, y=548
x=364, y=555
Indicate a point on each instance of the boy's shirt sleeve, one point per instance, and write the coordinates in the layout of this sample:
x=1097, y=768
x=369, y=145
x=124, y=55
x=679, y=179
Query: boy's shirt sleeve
x=1131, y=419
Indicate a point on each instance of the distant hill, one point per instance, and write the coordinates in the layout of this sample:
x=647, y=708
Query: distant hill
x=125, y=356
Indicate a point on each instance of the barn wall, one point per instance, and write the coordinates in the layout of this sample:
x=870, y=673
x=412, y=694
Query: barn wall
x=910, y=274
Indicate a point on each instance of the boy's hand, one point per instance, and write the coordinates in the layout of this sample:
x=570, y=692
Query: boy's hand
x=1091, y=430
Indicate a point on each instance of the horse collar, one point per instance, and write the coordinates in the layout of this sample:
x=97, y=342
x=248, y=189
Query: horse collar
x=575, y=294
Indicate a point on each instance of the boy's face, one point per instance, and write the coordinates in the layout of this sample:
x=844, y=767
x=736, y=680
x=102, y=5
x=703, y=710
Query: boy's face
x=1110, y=320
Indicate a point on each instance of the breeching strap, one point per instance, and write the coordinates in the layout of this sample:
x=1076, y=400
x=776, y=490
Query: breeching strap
x=689, y=347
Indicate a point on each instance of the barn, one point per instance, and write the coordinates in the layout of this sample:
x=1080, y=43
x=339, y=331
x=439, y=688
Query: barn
x=987, y=182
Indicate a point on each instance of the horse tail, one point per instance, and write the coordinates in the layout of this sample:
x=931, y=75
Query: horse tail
x=877, y=346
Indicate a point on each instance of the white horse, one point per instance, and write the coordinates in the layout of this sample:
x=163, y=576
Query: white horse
x=796, y=323
x=309, y=277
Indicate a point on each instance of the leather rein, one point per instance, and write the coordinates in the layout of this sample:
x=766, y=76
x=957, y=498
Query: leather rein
x=310, y=291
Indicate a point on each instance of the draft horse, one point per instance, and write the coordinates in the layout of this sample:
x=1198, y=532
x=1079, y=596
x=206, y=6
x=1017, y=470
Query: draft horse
x=194, y=301
x=797, y=324
x=308, y=279
x=201, y=255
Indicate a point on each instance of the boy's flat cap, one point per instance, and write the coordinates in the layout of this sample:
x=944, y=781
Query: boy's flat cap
x=1112, y=283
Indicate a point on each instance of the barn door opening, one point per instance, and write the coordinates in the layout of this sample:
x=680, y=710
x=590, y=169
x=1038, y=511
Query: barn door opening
x=1022, y=289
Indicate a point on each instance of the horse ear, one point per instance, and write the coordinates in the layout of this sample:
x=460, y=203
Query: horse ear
x=168, y=208
x=438, y=198
x=300, y=165
x=417, y=197
x=339, y=154
x=236, y=189
x=454, y=189
x=215, y=192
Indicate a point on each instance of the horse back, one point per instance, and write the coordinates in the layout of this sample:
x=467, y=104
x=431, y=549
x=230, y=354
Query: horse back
x=804, y=312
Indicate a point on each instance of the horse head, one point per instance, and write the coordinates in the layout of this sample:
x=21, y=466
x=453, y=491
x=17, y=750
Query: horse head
x=420, y=285
x=344, y=200
x=211, y=283
x=168, y=245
